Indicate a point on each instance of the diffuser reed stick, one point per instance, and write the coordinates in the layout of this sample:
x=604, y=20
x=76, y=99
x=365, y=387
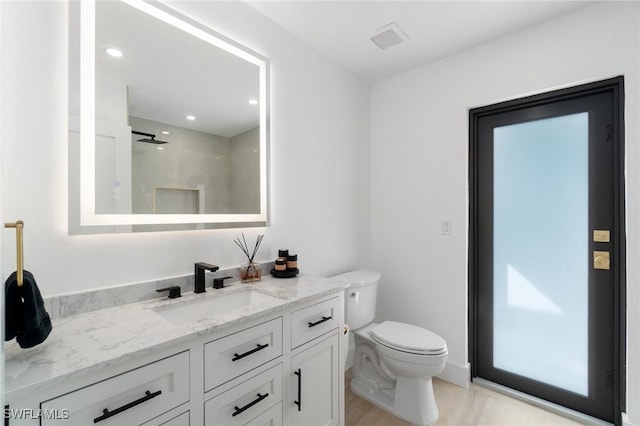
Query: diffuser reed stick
x=251, y=271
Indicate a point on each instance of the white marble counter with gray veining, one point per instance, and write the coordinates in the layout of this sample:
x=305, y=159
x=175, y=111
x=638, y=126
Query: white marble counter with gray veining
x=89, y=341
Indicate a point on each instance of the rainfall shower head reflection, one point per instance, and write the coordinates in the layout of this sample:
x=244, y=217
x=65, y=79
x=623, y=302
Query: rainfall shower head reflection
x=150, y=138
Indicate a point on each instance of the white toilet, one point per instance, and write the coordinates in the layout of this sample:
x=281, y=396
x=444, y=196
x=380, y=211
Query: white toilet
x=393, y=361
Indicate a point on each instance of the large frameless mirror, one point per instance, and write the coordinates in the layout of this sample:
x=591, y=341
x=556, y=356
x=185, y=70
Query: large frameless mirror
x=168, y=122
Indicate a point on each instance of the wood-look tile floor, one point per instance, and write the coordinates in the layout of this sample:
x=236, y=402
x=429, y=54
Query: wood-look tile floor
x=458, y=406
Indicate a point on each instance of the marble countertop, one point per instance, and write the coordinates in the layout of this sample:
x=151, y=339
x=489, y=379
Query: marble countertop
x=90, y=341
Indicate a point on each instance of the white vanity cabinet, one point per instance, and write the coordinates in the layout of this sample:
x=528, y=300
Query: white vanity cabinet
x=279, y=368
x=315, y=383
x=134, y=397
x=239, y=359
x=170, y=419
x=235, y=354
x=243, y=403
x=312, y=321
x=315, y=374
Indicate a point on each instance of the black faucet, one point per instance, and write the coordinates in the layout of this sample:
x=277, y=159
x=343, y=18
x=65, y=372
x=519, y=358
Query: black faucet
x=200, y=268
x=219, y=282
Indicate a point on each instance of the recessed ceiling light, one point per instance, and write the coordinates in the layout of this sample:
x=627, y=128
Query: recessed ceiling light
x=112, y=51
x=190, y=117
x=164, y=132
x=253, y=101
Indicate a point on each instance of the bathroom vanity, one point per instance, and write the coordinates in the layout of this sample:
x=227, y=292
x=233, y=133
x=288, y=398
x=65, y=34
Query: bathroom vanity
x=248, y=354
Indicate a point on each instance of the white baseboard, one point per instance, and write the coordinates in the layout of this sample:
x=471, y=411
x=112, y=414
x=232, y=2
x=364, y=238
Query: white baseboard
x=625, y=420
x=457, y=374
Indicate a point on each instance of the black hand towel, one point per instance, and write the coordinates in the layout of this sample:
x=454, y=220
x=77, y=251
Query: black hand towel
x=13, y=305
x=32, y=322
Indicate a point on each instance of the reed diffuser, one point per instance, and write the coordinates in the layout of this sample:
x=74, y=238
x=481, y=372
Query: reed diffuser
x=251, y=271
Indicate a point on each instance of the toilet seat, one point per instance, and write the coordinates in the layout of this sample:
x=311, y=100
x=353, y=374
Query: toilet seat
x=408, y=338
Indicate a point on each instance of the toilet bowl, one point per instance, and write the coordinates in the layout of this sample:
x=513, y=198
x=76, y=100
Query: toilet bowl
x=394, y=362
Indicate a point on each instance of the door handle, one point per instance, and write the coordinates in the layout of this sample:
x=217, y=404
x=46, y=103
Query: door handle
x=601, y=260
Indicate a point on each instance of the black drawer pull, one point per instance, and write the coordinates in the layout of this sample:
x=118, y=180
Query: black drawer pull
x=298, y=373
x=313, y=324
x=106, y=413
x=249, y=405
x=252, y=351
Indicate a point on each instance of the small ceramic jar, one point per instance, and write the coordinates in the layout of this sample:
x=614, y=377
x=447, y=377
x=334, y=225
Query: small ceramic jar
x=281, y=265
x=292, y=261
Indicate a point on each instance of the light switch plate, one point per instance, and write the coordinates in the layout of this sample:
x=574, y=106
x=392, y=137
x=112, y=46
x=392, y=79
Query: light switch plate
x=445, y=227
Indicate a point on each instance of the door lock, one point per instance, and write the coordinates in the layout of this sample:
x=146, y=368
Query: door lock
x=601, y=260
x=601, y=235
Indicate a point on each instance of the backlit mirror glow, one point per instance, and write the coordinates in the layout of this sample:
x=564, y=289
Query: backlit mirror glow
x=166, y=135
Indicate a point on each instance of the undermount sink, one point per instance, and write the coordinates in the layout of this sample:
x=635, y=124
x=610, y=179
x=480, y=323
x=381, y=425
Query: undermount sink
x=214, y=305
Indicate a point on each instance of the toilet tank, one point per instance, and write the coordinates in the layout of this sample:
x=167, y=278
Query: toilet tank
x=360, y=297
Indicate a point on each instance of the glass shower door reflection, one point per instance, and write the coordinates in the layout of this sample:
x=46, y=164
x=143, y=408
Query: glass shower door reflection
x=541, y=250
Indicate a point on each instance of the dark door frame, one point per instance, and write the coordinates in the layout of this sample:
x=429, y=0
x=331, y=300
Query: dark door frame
x=616, y=86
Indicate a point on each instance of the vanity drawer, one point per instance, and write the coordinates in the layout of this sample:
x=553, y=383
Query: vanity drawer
x=130, y=398
x=248, y=402
x=234, y=355
x=271, y=417
x=180, y=420
x=314, y=321
x=176, y=417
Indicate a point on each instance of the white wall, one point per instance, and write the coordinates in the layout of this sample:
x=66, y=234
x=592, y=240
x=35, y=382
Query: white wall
x=3, y=90
x=420, y=163
x=318, y=174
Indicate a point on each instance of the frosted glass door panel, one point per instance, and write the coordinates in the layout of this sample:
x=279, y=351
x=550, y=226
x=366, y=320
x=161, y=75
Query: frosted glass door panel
x=540, y=250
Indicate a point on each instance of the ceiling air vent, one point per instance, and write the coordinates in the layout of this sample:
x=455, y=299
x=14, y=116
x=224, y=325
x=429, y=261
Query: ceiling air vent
x=388, y=36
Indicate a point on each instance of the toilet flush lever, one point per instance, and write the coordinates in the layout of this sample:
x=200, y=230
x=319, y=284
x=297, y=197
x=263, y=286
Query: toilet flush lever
x=355, y=295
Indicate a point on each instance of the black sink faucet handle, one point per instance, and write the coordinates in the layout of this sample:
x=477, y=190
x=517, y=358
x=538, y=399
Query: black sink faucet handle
x=219, y=282
x=174, y=291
